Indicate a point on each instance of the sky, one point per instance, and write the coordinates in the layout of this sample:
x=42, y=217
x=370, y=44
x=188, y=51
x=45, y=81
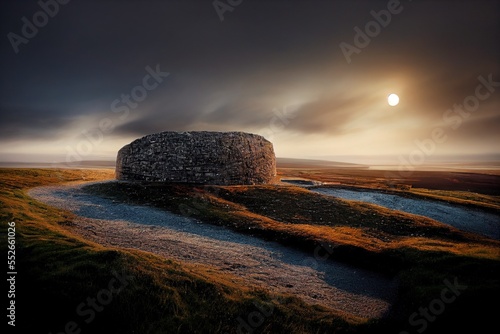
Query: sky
x=80, y=79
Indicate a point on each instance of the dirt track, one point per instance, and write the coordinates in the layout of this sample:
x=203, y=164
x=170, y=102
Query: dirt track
x=259, y=263
x=467, y=219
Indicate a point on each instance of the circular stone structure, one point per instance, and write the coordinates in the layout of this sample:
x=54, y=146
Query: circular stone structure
x=219, y=158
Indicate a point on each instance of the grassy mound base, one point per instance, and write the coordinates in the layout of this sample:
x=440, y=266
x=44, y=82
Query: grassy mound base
x=63, y=281
x=58, y=271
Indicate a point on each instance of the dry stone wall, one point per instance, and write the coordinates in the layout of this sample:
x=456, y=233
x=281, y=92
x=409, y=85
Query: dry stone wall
x=221, y=158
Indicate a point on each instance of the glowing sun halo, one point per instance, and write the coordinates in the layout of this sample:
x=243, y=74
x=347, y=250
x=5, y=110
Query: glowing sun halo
x=393, y=100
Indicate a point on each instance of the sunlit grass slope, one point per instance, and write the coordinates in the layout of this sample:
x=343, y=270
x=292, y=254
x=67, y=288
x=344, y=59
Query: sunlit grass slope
x=58, y=271
x=420, y=252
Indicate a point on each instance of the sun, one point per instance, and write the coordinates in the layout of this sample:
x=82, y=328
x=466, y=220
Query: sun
x=393, y=100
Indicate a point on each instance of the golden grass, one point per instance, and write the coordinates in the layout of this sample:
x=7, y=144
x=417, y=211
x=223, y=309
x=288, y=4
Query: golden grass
x=420, y=252
x=460, y=197
x=196, y=298
x=362, y=178
x=35, y=215
x=170, y=296
x=370, y=227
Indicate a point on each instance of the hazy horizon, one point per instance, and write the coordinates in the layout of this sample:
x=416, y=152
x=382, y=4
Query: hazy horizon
x=390, y=162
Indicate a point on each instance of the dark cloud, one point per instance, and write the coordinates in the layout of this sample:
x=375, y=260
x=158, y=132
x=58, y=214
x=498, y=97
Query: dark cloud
x=19, y=123
x=233, y=74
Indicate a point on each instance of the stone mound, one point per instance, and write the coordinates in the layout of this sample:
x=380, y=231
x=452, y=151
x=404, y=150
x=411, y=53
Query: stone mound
x=219, y=158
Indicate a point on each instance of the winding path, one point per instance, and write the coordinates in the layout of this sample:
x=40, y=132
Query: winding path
x=461, y=217
x=259, y=263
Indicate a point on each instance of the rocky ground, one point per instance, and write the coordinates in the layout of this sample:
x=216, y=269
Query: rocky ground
x=253, y=261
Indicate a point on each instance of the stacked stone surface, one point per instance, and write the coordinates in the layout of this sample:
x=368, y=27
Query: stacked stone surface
x=219, y=158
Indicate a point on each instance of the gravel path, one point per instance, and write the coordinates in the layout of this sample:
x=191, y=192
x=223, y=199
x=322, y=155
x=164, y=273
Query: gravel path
x=467, y=219
x=259, y=263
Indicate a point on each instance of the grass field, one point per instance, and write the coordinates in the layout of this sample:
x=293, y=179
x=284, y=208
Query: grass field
x=63, y=270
